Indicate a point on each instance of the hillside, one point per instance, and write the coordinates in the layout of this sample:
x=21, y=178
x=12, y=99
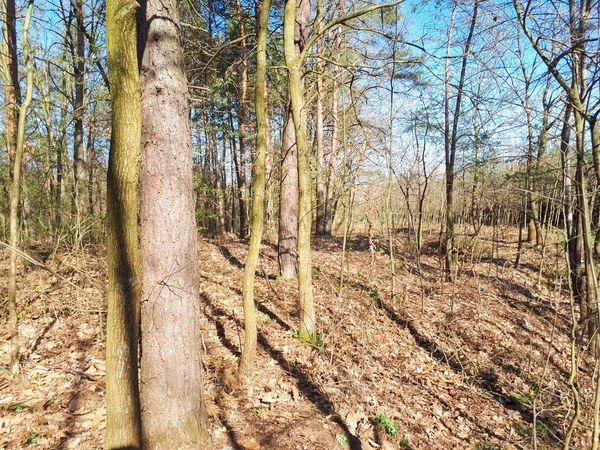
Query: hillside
x=461, y=380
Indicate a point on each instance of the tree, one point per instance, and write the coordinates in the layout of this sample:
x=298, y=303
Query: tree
x=451, y=137
x=258, y=189
x=173, y=410
x=15, y=193
x=123, y=424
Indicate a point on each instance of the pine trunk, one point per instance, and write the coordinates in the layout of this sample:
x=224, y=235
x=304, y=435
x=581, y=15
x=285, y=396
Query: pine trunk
x=171, y=386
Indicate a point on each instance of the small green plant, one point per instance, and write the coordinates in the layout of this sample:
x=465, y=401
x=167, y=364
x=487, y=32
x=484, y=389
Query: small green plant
x=342, y=440
x=18, y=407
x=20, y=316
x=32, y=438
x=258, y=411
x=525, y=399
x=390, y=426
x=404, y=444
x=371, y=293
x=317, y=340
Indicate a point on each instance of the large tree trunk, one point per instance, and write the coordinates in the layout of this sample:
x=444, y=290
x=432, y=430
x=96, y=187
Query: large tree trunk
x=173, y=409
x=294, y=40
x=288, y=202
x=123, y=424
x=258, y=189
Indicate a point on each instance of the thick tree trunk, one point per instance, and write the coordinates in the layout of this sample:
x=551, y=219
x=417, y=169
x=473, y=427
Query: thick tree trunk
x=258, y=189
x=294, y=38
x=288, y=202
x=171, y=389
x=123, y=423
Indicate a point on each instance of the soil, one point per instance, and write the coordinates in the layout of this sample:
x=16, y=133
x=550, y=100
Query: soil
x=437, y=365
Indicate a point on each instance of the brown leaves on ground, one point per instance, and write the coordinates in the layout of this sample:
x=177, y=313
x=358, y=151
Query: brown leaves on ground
x=463, y=380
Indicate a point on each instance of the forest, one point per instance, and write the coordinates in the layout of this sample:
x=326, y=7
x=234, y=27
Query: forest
x=300, y=224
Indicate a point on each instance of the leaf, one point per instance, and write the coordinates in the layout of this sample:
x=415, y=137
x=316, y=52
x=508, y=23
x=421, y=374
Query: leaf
x=251, y=445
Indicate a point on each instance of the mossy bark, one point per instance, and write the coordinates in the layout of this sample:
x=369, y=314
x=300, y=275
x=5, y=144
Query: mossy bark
x=258, y=188
x=296, y=92
x=123, y=425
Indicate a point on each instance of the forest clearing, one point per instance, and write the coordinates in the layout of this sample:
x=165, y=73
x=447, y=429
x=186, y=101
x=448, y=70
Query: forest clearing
x=466, y=380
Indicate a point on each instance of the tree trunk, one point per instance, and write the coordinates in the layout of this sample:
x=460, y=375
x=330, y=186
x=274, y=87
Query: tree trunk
x=451, y=144
x=79, y=169
x=173, y=409
x=123, y=423
x=288, y=202
x=319, y=134
x=294, y=39
x=258, y=189
x=242, y=127
x=15, y=195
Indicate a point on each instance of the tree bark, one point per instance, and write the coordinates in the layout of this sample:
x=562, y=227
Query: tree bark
x=242, y=127
x=15, y=195
x=171, y=386
x=319, y=134
x=288, y=202
x=79, y=169
x=294, y=38
x=258, y=189
x=123, y=422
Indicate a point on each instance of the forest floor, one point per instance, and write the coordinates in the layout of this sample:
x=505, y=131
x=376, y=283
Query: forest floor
x=390, y=373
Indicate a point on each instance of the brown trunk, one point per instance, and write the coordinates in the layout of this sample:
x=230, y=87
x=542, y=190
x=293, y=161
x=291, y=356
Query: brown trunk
x=173, y=409
x=79, y=169
x=319, y=135
x=242, y=128
x=288, y=203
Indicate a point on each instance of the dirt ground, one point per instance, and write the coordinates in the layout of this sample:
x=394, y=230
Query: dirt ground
x=438, y=366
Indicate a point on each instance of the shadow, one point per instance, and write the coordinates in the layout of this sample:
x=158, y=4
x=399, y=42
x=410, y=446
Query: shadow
x=307, y=387
x=237, y=263
x=274, y=317
x=235, y=444
x=41, y=337
x=487, y=379
x=215, y=314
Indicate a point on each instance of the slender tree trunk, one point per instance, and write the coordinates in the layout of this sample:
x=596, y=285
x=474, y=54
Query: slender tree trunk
x=173, y=409
x=258, y=189
x=79, y=169
x=123, y=422
x=242, y=127
x=319, y=133
x=15, y=196
x=294, y=39
x=333, y=153
x=451, y=148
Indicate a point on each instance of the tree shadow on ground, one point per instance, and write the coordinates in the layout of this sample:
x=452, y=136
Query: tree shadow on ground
x=237, y=263
x=487, y=379
x=305, y=385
